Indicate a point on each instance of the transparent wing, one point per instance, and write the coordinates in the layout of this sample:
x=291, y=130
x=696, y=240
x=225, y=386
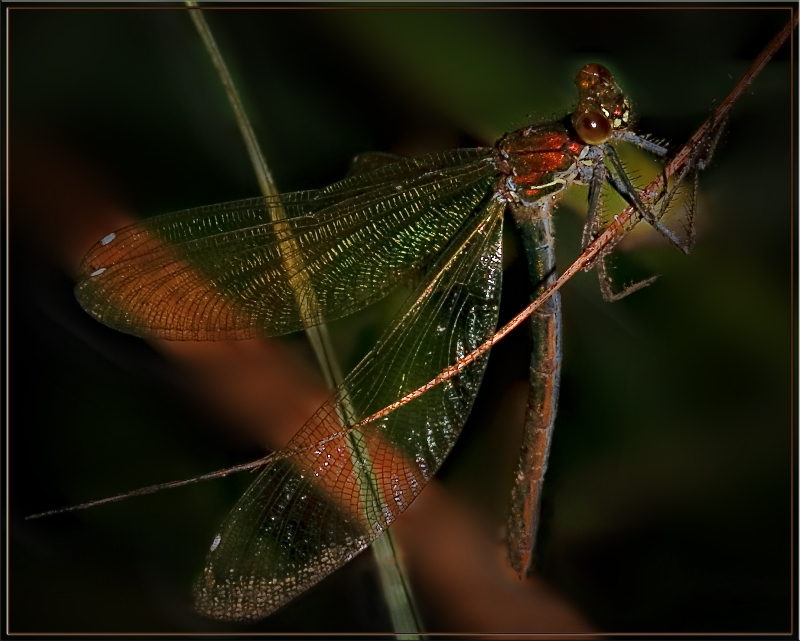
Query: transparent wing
x=370, y=161
x=336, y=488
x=269, y=266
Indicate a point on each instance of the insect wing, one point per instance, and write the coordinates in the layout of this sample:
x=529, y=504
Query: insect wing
x=343, y=482
x=269, y=266
x=370, y=161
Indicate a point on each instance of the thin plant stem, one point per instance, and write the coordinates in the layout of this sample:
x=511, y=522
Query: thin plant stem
x=393, y=578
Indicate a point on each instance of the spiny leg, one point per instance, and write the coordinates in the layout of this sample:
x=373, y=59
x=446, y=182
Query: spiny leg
x=593, y=213
x=704, y=152
x=658, y=149
x=622, y=184
x=698, y=160
x=591, y=230
x=607, y=289
x=651, y=146
x=667, y=197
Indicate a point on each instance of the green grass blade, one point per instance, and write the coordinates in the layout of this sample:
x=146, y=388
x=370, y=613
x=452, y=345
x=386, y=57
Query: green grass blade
x=396, y=588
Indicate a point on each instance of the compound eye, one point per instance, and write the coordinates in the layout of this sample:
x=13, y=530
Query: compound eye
x=593, y=127
x=593, y=74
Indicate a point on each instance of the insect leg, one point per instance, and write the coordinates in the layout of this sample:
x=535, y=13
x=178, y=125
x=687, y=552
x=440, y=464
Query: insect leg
x=643, y=143
x=622, y=184
x=698, y=160
x=607, y=289
x=590, y=231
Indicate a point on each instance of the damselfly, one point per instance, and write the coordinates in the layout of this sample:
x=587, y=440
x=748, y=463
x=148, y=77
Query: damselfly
x=232, y=271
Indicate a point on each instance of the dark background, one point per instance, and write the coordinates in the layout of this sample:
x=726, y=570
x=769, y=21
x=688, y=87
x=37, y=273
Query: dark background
x=669, y=493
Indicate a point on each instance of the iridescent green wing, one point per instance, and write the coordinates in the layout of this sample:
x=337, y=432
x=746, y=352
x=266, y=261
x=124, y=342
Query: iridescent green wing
x=269, y=266
x=336, y=487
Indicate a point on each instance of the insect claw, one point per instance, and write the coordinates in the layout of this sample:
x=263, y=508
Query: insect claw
x=612, y=297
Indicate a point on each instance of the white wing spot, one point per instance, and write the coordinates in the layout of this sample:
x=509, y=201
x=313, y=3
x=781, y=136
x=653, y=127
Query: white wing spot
x=97, y=272
x=215, y=544
x=107, y=239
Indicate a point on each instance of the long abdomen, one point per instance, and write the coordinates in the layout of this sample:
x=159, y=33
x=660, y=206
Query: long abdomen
x=536, y=226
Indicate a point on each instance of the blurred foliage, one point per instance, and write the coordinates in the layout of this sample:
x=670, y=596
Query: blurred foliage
x=668, y=501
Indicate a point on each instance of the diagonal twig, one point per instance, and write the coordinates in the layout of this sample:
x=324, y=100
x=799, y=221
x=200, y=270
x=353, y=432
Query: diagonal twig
x=676, y=165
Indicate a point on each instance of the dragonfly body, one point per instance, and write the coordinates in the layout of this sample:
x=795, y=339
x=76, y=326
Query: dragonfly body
x=535, y=223
x=537, y=161
x=272, y=265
